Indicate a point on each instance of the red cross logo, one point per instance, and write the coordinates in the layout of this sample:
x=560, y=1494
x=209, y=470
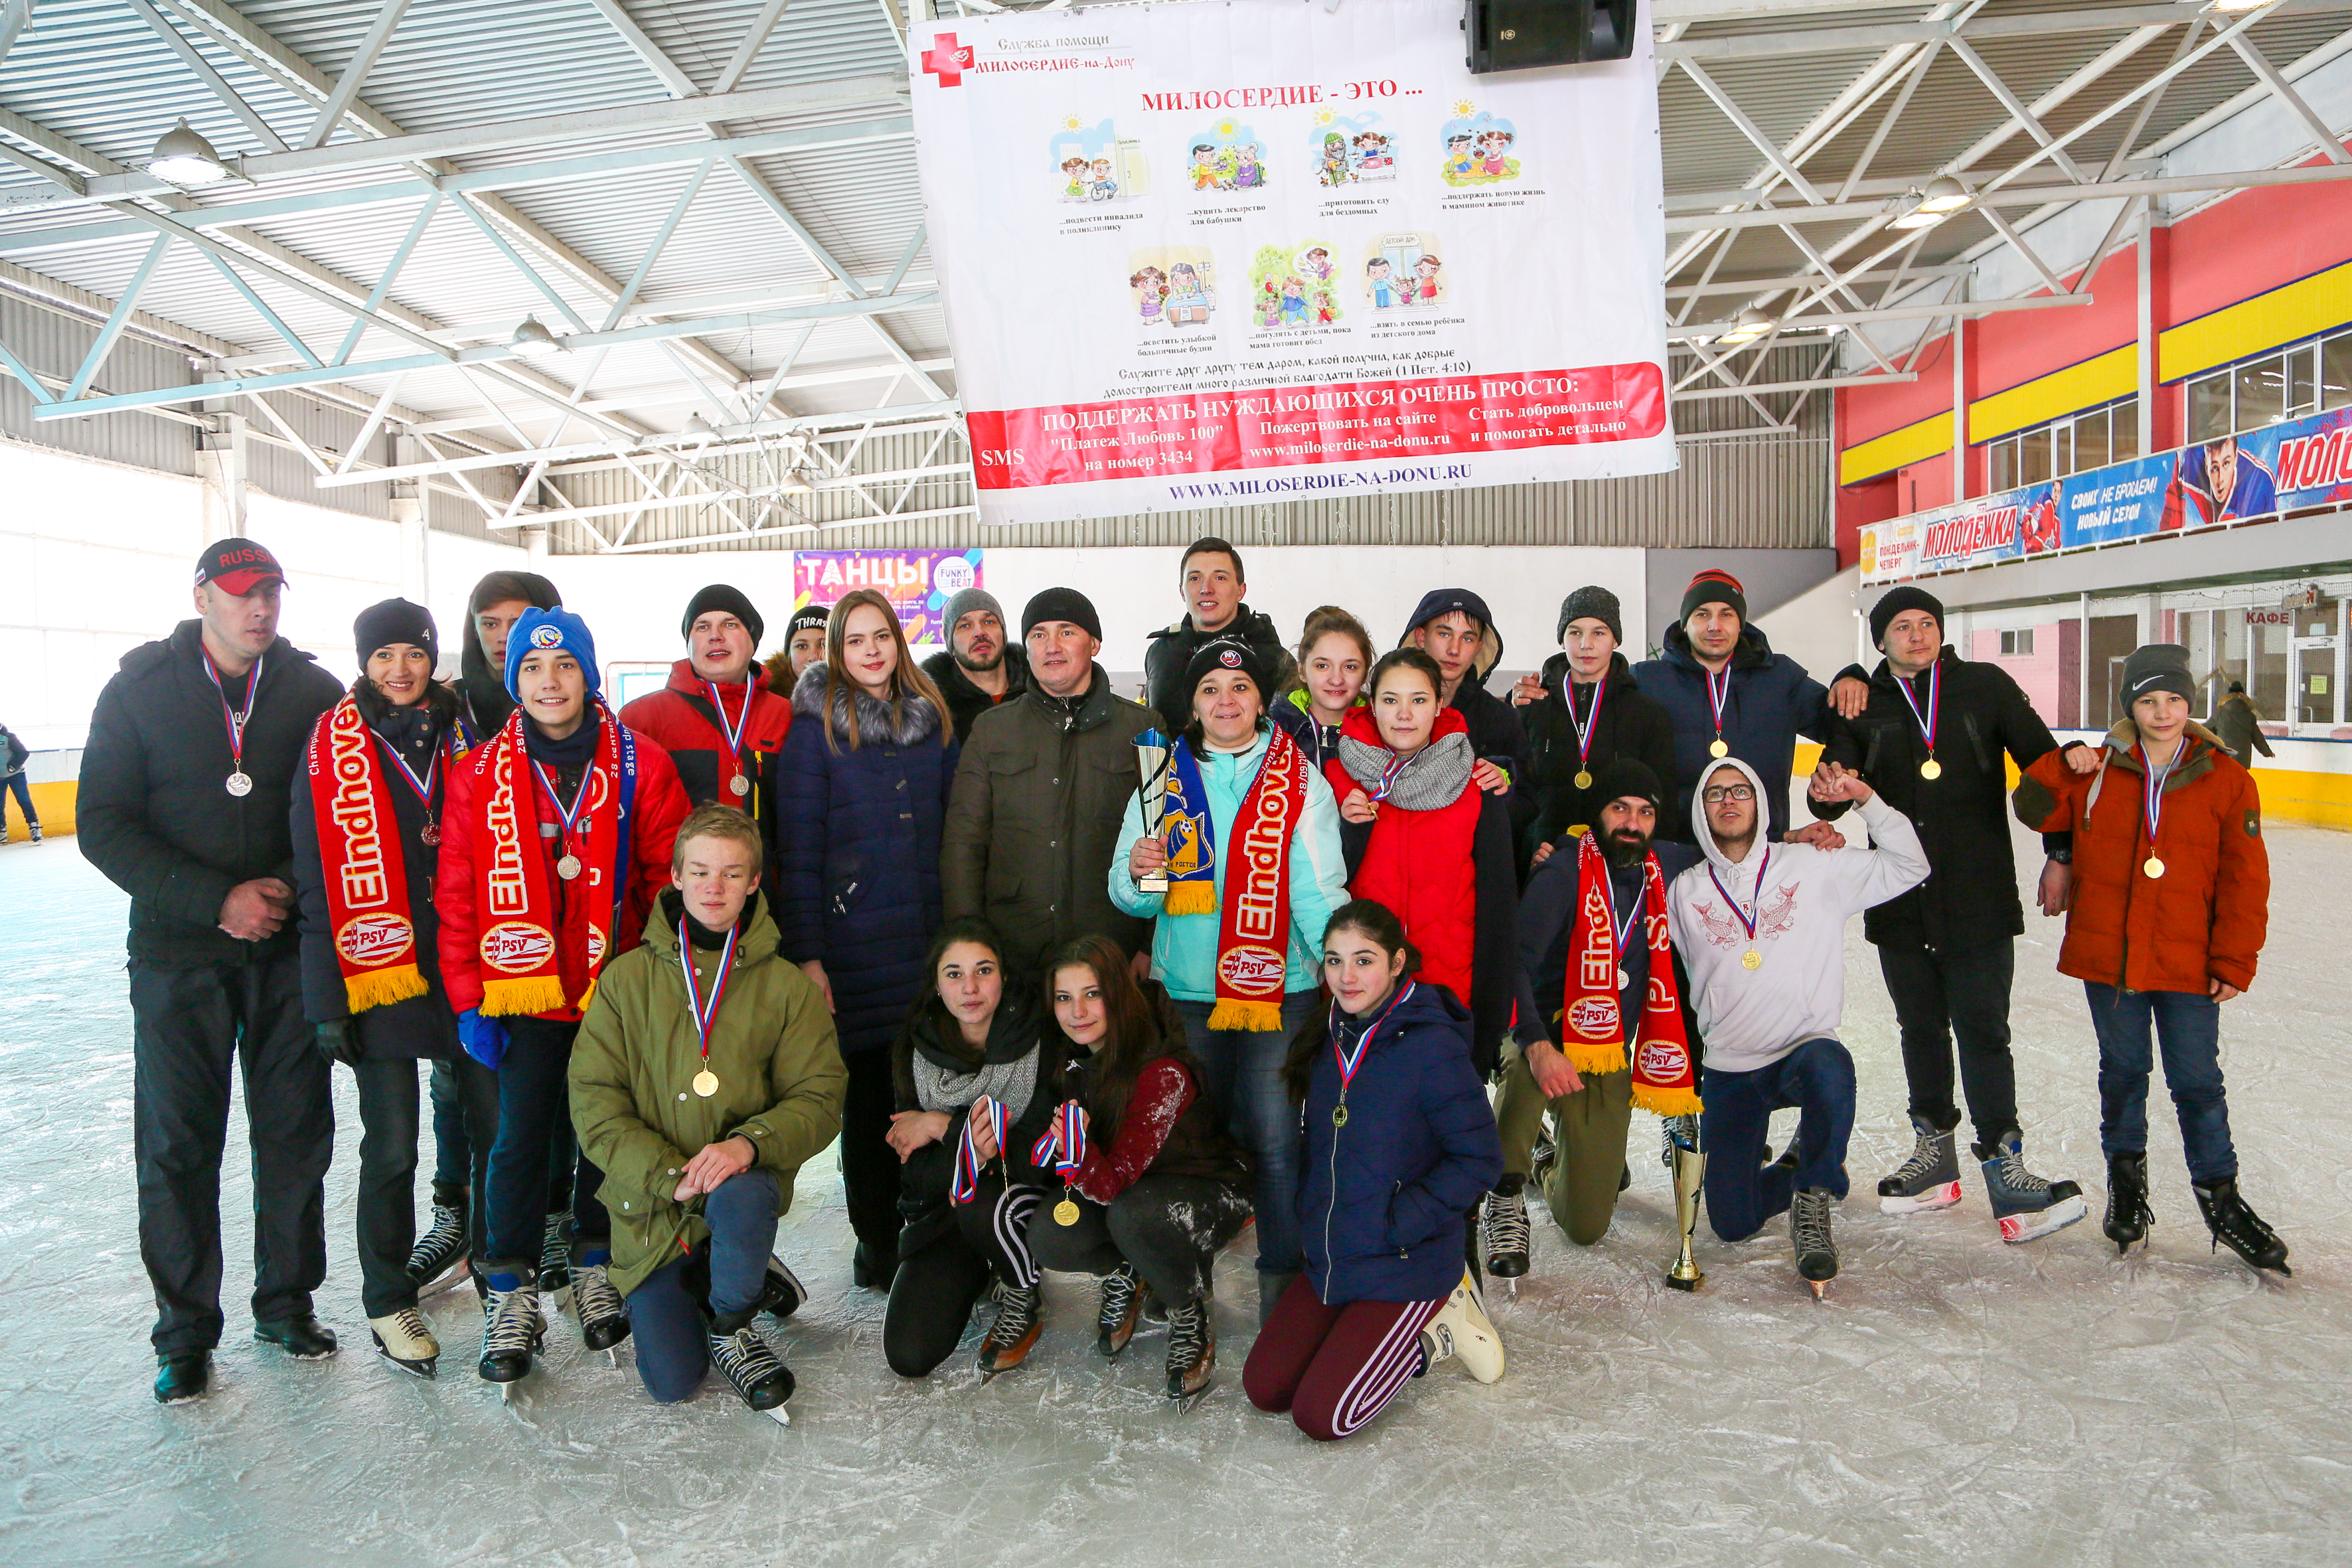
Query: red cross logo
x=947, y=61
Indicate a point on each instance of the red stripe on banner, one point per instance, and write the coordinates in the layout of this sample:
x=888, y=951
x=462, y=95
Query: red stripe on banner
x=1290, y=427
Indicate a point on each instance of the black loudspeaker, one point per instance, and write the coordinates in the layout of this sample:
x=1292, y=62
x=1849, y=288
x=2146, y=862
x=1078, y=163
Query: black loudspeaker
x=1520, y=34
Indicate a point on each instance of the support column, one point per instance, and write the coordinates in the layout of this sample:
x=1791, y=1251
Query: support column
x=220, y=464
x=2145, y=297
x=408, y=518
x=1960, y=400
x=534, y=542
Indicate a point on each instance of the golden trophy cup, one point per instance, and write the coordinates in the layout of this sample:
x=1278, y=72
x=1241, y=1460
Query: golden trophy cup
x=1154, y=760
x=1690, y=1173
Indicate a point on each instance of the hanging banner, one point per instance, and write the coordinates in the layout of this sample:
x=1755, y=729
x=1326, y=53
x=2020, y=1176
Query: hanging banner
x=2124, y=501
x=1222, y=255
x=918, y=582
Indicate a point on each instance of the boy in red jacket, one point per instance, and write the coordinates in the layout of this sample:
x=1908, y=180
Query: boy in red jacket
x=2170, y=900
x=557, y=839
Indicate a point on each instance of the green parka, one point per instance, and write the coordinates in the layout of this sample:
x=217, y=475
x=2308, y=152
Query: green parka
x=781, y=1082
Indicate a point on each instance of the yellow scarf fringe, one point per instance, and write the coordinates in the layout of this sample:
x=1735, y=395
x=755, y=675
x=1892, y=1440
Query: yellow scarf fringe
x=1232, y=1013
x=1190, y=898
x=382, y=988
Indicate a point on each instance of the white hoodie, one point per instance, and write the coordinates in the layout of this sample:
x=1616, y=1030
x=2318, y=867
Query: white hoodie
x=1749, y=1018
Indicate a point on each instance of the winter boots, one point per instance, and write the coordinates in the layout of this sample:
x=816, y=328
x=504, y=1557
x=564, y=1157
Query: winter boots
x=750, y=1363
x=1930, y=1178
x=1020, y=1318
x=1192, y=1348
x=2237, y=1226
x=2128, y=1215
x=1507, y=1236
x=183, y=1377
x=512, y=1329
x=302, y=1336
x=437, y=1261
x=401, y=1339
x=1123, y=1305
x=2028, y=1207
x=1809, y=1235
x=1462, y=1329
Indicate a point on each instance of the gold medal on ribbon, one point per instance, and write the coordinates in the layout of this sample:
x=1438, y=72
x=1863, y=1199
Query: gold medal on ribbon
x=706, y=1083
x=1931, y=769
x=1067, y=1212
x=1752, y=959
x=2152, y=866
x=1339, y=1114
x=1721, y=748
x=1583, y=779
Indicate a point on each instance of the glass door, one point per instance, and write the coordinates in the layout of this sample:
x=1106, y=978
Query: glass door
x=2317, y=701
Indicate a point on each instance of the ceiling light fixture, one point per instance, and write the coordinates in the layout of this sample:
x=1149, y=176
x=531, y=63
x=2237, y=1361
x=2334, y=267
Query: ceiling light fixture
x=1752, y=325
x=532, y=339
x=1911, y=210
x=1942, y=194
x=182, y=157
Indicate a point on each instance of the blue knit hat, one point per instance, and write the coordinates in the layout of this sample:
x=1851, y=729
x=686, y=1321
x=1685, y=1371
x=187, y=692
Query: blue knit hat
x=540, y=630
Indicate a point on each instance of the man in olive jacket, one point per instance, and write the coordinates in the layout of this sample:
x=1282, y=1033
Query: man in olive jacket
x=697, y=1171
x=1041, y=790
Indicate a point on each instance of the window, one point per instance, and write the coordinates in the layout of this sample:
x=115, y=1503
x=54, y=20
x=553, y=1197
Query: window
x=2091, y=440
x=2305, y=379
x=2017, y=644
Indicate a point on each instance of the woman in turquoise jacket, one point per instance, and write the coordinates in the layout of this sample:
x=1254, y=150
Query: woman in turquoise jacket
x=1250, y=852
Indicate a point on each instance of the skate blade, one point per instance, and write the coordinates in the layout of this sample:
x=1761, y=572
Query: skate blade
x=1819, y=1288
x=506, y=1393
x=428, y=1367
x=456, y=1274
x=2022, y=1227
x=613, y=1359
x=1934, y=1198
x=780, y=1415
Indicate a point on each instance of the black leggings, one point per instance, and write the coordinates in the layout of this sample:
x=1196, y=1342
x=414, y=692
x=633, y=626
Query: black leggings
x=1168, y=1227
x=932, y=1294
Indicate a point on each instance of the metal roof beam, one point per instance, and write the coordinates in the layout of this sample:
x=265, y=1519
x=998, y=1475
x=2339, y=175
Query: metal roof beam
x=1817, y=384
x=755, y=38
x=2259, y=63
x=195, y=60
x=1892, y=313
x=1839, y=40
x=2022, y=195
x=439, y=357
x=354, y=72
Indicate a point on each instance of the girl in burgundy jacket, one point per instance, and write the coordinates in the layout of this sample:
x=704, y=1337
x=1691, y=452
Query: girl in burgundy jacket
x=1155, y=1185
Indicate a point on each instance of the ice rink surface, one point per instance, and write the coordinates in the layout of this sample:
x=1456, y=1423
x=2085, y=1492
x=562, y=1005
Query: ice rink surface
x=1954, y=1401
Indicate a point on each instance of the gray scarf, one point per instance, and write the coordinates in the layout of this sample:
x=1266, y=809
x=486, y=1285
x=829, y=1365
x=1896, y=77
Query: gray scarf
x=1434, y=777
x=1010, y=1084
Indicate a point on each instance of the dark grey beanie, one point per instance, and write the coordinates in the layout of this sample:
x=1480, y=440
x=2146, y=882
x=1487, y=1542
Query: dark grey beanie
x=1596, y=603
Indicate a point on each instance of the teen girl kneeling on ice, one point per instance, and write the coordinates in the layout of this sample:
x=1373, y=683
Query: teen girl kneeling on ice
x=1154, y=1184
x=1397, y=1145
x=557, y=836
x=977, y=1082
x=705, y=1076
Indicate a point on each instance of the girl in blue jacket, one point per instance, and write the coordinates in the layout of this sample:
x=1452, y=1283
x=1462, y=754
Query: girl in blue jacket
x=1397, y=1143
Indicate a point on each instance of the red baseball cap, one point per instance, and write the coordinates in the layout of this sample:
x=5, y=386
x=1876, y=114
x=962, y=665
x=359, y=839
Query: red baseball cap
x=237, y=565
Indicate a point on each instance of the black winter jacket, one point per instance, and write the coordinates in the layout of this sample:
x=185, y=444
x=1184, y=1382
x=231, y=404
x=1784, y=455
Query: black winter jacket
x=421, y=1026
x=1771, y=702
x=1630, y=725
x=1171, y=647
x=926, y=1178
x=152, y=812
x=967, y=701
x=860, y=890
x=1969, y=898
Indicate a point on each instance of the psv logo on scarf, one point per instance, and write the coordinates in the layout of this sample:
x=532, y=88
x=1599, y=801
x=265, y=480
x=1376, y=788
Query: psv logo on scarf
x=516, y=948
x=1251, y=970
x=371, y=941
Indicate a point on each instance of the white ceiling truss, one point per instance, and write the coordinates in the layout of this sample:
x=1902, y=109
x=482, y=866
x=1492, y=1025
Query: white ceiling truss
x=712, y=207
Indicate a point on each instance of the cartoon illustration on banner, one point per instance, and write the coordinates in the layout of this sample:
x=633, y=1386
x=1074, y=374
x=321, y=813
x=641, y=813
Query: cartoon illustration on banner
x=1331, y=287
x=918, y=582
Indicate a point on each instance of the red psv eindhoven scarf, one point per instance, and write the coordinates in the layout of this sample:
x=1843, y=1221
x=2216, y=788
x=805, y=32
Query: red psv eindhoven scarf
x=515, y=882
x=1592, y=1031
x=1254, y=926
x=362, y=863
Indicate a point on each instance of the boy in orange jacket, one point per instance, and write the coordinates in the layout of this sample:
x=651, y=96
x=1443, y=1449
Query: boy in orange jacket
x=2170, y=899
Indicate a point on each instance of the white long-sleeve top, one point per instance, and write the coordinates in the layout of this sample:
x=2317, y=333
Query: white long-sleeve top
x=1799, y=898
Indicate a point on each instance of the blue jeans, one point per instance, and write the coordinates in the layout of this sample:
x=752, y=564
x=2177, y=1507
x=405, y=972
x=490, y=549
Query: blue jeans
x=534, y=1094
x=2188, y=1028
x=23, y=790
x=666, y=1313
x=1742, y=1193
x=1244, y=1073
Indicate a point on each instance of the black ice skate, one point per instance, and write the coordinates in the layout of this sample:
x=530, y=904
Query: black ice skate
x=1507, y=1236
x=512, y=1328
x=603, y=1322
x=555, y=1262
x=783, y=1293
x=1020, y=1318
x=751, y=1365
x=1929, y=1179
x=437, y=1261
x=2028, y=1207
x=2128, y=1215
x=1809, y=1234
x=1191, y=1350
x=2239, y=1228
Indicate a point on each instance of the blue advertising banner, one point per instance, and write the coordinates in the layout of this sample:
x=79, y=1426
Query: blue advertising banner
x=2126, y=500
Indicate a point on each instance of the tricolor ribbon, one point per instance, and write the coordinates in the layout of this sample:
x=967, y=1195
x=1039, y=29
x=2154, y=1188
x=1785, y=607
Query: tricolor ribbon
x=1062, y=1148
x=735, y=733
x=1390, y=771
x=1927, y=722
x=236, y=719
x=705, y=1014
x=2151, y=790
x=1623, y=929
x=1589, y=725
x=1747, y=918
x=1350, y=1060
x=424, y=786
x=964, y=1186
x=1717, y=694
x=568, y=814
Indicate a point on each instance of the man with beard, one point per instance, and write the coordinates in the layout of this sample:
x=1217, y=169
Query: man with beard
x=972, y=673
x=1588, y=1086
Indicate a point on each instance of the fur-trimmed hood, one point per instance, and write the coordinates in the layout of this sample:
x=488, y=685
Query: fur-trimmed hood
x=914, y=719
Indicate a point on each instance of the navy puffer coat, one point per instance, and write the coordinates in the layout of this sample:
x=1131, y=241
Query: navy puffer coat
x=1381, y=1200
x=860, y=891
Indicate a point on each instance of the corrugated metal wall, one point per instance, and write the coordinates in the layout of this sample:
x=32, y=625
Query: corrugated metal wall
x=1763, y=488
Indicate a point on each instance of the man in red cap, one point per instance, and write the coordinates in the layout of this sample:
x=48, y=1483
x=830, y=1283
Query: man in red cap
x=185, y=797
